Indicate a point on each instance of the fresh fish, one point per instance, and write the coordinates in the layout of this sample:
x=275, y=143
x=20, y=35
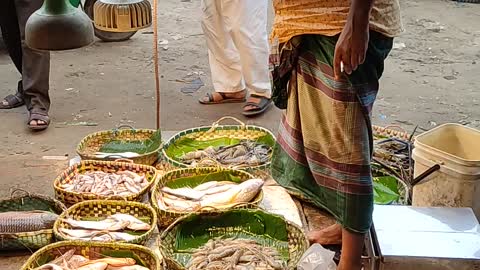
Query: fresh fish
x=133, y=222
x=242, y=193
x=223, y=194
x=49, y=266
x=26, y=221
x=76, y=261
x=187, y=193
x=97, y=235
x=114, y=261
x=245, y=153
x=205, y=186
x=181, y=204
x=131, y=267
x=104, y=225
x=122, y=183
x=94, y=266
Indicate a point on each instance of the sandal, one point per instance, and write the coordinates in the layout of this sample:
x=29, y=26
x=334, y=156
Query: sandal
x=260, y=104
x=225, y=98
x=11, y=101
x=38, y=116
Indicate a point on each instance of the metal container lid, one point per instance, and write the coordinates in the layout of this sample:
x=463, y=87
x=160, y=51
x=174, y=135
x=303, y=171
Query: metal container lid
x=432, y=232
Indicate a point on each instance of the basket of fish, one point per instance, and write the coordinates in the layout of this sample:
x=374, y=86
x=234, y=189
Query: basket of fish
x=234, y=146
x=95, y=180
x=184, y=191
x=233, y=239
x=104, y=221
x=143, y=146
x=26, y=221
x=78, y=255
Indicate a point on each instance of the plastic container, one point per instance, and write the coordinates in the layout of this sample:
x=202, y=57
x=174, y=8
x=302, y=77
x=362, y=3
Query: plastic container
x=456, y=149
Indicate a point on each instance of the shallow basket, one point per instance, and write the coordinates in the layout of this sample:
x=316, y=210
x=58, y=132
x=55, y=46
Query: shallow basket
x=91, y=144
x=216, y=131
x=196, y=229
x=165, y=218
x=91, y=210
x=28, y=202
x=70, y=198
x=94, y=250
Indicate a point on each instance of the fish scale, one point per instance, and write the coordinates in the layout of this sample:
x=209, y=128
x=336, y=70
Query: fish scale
x=27, y=221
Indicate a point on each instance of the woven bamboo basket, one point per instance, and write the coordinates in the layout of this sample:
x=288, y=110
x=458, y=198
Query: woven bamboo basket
x=99, y=209
x=28, y=202
x=70, y=198
x=165, y=218
x=94, y=250
x=91, y=144
x=216, y=131
x=295, y=243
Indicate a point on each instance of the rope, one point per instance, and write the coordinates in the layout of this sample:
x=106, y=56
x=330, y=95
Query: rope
x=156, y=61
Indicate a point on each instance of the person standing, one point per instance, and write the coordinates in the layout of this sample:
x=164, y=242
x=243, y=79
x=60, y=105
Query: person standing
x=237, y=41
x=326, y=75
x=34, y=66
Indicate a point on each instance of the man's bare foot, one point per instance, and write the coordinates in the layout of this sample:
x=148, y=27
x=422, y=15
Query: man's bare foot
x=328, y=236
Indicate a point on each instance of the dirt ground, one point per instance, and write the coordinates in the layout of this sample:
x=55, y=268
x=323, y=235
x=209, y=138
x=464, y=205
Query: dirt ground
x=431, y=78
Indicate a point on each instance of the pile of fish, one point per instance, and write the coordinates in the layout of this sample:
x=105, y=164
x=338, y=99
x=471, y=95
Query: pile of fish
x=26, y=221
x=237, y=254
x=122, y=183
x=213, y=194
x=246, y=153
x=111, y=228
x=70, y=261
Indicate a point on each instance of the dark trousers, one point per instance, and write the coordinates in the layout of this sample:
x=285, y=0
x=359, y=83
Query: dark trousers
x=33, y=65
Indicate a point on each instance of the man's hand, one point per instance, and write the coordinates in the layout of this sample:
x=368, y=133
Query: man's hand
x=352, y=43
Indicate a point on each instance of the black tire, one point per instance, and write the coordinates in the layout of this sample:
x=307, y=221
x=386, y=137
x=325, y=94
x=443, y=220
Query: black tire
x=469, y=1
x=104, y=35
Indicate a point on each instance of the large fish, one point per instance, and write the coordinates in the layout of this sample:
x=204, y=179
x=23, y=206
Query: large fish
x=242, y=193
x=97, y=235
x=130, y=267
x=26, y=221
x=94, y=266
x=104, y=225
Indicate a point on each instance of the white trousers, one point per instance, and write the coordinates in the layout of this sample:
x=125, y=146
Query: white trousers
x=237, y=40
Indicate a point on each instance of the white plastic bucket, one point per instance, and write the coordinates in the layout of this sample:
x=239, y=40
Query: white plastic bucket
x=456, y=149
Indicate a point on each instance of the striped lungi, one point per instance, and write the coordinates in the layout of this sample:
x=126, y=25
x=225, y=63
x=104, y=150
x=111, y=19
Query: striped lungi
x=325, y=141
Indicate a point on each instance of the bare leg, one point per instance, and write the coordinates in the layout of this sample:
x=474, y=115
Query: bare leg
x=352, y=248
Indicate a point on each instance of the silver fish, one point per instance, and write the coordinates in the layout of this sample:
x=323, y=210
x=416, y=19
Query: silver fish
x=104, y=225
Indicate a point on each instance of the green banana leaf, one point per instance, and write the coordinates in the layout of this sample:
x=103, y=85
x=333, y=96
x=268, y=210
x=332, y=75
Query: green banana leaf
x=136, y=146
x=185, y=145
x=197, y=230
x=385, y=190
x=193, y=181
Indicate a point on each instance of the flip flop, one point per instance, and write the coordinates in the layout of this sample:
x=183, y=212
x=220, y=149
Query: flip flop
x=260, y=107
x=35, y=116
x=225, y=98
x=13, y=101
